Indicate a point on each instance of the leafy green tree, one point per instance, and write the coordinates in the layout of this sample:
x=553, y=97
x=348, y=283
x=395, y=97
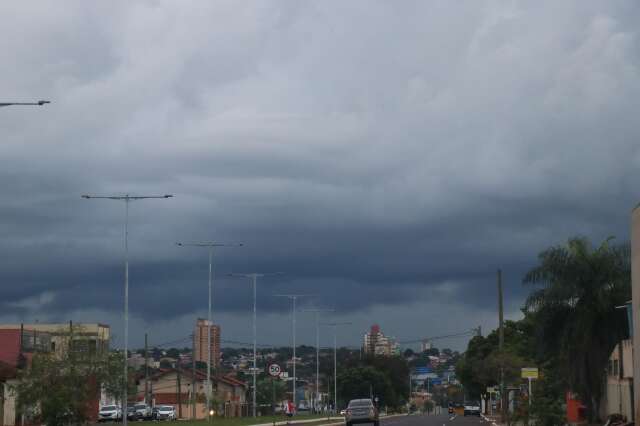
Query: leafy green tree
x=270, y=390
x=359, y=382
x=58, y=388
x=577, y=290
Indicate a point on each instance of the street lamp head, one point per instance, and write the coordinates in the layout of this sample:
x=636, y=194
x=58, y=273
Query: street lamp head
x=43, y=102
x=86, y=196
x=179, y=244
x=168, y=196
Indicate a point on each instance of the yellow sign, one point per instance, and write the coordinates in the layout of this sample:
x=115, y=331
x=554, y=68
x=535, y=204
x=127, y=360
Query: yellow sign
x=529, y=373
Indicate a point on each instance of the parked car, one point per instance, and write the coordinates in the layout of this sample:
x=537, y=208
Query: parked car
x=166, y=412
x=142, y=411
x=472, y=409
x=131, y=412
x=110, y=413
x=361, y=411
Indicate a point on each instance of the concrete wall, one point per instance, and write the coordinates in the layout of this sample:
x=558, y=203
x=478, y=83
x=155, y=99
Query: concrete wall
x=635, y=283
x=9, y=406
x=618, y=398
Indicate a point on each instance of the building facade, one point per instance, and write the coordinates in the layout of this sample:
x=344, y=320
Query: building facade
x=618, y=393
x=376, y=343
x=187, y=392
x=81, y=336
x=200, y=342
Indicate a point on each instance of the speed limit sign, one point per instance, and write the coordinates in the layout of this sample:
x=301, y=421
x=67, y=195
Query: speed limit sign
x=274, y=370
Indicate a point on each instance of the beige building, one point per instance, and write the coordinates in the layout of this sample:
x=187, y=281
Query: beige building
x=618, y=393
x=200, y=342
x=376, y=343
x=95, y=336
x=175, y=387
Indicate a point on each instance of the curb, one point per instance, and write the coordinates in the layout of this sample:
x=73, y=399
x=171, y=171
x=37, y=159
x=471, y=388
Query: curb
x=488, y=420
x=299, y=422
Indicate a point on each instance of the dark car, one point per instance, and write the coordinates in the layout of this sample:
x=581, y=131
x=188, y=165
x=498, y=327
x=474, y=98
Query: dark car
x=361, y=411
x=131, y=413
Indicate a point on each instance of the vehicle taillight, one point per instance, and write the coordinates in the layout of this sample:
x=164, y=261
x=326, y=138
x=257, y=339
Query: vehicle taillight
x=348, y=412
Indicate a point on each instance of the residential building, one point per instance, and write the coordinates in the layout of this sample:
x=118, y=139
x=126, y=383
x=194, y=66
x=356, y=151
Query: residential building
x=174, y=386
x=200, y=342
x=376, y=343
x=19, y=342
x=95, y=337
x=426, y=345
x=17, y=347
x=619, y=384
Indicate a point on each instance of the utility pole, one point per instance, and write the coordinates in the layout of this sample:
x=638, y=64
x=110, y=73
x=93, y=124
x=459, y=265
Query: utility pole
x=210, y=246
x=503, y=396
x=146, y=369
x=335, y=325
x=193, y=376
x=179, y=396
x=254, y=280
x=317, y=314
x=293, y=298
x=127, y=199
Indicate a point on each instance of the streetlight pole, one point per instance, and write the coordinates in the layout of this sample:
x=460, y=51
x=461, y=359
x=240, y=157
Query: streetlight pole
x=335, y=360
x=127, y=199
x=254, y=280
x=39, y=103
x=317, y=315
x=293, y=298
x=210, y=245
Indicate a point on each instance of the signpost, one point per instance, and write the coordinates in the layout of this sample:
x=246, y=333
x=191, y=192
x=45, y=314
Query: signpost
x=274, y=370
x=530, y=374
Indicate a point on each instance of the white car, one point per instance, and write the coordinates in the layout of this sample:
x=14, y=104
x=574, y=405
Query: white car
x=166, y=412
x=142, y=411
x=472, y=409
x=111, y=413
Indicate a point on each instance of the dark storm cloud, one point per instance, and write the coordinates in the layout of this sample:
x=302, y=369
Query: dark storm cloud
x=382, y=155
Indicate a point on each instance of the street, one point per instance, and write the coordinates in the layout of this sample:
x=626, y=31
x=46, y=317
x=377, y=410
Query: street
x=439, y=420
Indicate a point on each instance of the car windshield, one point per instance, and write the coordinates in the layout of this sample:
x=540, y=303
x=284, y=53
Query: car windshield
x=141, y=406
x=108, y=408
x=361, y=403
x=166, y=408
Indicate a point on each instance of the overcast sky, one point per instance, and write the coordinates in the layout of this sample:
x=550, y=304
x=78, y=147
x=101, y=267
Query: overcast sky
x=387, y=157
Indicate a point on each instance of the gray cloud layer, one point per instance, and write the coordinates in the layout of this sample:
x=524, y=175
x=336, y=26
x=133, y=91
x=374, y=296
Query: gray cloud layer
x=376, y=152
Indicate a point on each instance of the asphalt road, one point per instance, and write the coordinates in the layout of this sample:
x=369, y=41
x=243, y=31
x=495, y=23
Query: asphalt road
x=439, y=420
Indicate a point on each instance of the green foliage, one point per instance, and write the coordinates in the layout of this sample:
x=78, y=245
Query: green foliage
x=359, y=382
x=577, y=290
x=58, y=388
x=269, y=390
x=385, y=377
x=546, y=406
x=480, y=365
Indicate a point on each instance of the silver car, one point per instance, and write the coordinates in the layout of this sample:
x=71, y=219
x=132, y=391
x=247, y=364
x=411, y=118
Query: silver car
x=110, y=413
x=361, y=411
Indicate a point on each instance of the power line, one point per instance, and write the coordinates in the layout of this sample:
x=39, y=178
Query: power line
x=475, y=331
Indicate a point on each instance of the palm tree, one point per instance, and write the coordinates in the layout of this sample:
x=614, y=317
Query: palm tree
x=578, y=289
